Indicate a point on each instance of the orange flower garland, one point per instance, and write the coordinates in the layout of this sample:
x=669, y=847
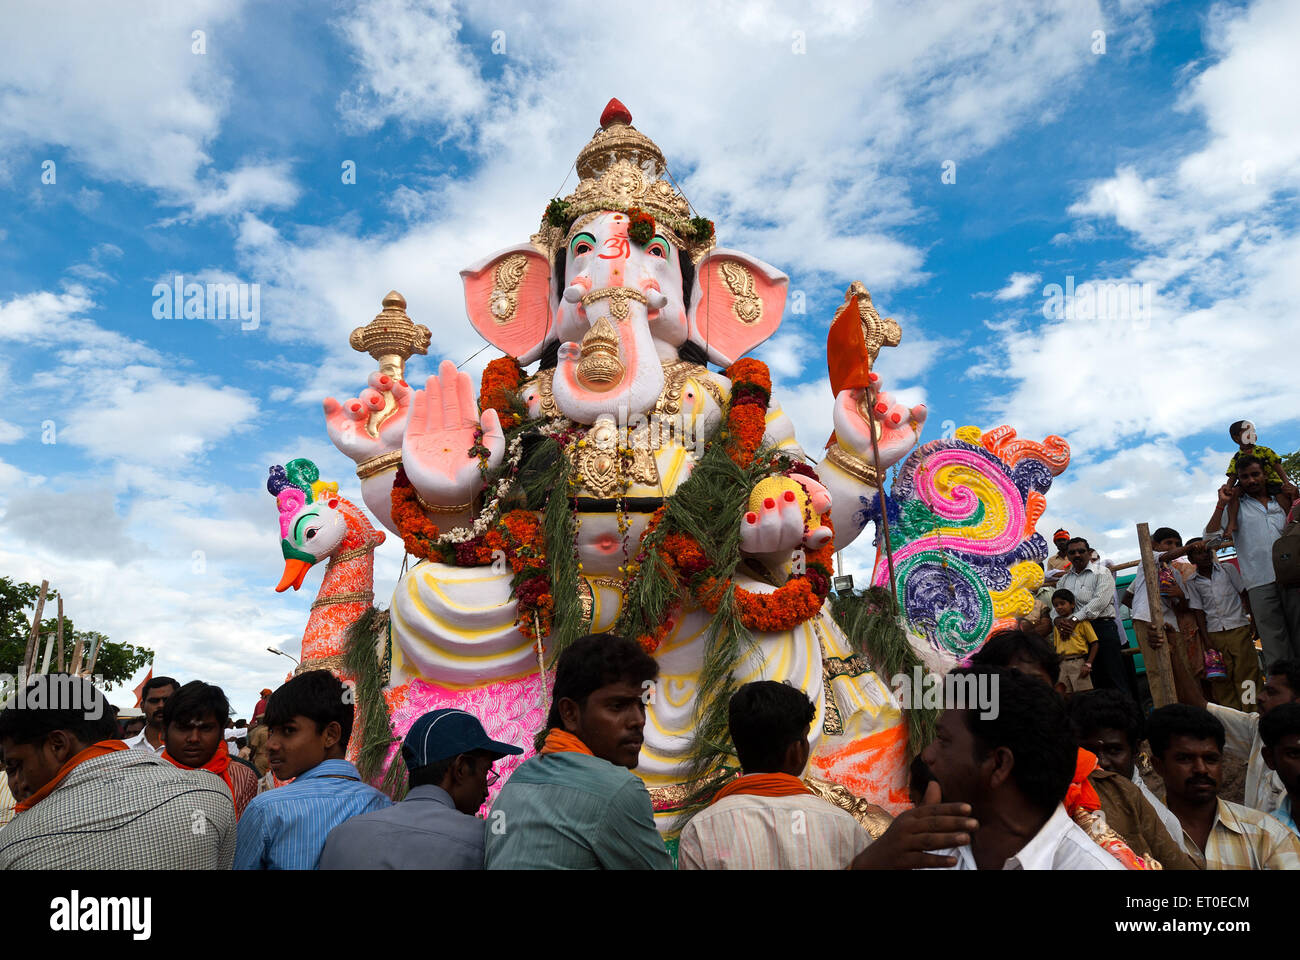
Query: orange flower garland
x=501, y=380
x=418, y=531
x=518, y=534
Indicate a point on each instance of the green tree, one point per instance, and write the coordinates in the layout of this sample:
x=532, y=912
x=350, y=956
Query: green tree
x=1291, y=464
x=116, y=663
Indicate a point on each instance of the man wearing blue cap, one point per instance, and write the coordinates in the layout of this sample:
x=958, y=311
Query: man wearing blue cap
x=449, y=757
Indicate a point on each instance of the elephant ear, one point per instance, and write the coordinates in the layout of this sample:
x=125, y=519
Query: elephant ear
x=736, y=305
x=508, y=299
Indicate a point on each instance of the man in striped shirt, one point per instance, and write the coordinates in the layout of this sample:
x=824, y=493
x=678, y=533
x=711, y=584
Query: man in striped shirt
x=1187, y=751
x=768, y=819
x=310, y=722
x=87, y=802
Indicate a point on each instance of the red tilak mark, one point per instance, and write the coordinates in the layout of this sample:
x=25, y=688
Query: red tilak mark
x=769, y=503
x=751, y=517
x=789, y=496
x=620, y=246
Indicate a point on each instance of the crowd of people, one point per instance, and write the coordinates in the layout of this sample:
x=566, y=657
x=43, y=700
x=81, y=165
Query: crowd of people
x=1045, y=782
x=1069, y=772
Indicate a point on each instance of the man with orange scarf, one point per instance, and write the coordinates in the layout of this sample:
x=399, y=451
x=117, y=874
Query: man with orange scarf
x=87, y=802
x=193, y=721
x=577, y=805
x=767, y=819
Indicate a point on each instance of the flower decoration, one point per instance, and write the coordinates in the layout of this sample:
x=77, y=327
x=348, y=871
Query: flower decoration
x=557, y=212
x=641, y=229
x=702, y=228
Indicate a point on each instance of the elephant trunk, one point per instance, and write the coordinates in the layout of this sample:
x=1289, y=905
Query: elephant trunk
x=616, y=367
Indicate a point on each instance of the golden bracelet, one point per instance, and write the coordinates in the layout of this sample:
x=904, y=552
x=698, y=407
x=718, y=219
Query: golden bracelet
x=441, y=508
x=855, y=467
x=368, y=468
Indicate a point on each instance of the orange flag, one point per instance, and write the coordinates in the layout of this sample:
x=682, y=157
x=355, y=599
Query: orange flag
x=139, y=690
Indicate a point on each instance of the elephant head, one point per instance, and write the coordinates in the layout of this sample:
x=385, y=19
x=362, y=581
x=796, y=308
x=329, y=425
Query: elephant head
x=618, y=280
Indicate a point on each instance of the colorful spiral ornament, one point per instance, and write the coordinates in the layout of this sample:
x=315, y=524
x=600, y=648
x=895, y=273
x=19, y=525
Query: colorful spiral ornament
x=966, y=555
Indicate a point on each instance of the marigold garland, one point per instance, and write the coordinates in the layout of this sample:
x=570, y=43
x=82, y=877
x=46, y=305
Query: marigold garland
x=501, y=380
x=519, y=534
x=641, y=228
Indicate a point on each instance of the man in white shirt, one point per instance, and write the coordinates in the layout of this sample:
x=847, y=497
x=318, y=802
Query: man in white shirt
x=1218, y=590
x=1094, y=601
x=1264, y=789
x=152, y=700
x=1260, y=520
x=767, y=819
x=1013, y=767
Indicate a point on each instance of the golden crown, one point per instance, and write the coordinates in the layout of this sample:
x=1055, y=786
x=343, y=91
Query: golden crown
x=621, y=169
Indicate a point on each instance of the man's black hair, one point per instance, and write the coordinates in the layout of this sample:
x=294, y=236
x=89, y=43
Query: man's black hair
x=1182, y=720
x=1073, y=540
x=1007, y=645
x=765, y=717
x=1234, y=431
x=1290, y=669
x=1063, y=594
x=591, y=662
x=317, y=695
x=431, y=774
x=52, y=703
x=1164, y=533
x=1280, y=722
x=157, y=682
x=1093, y=710
x=1245, y=461
x=1031, y=723
x=193, y=702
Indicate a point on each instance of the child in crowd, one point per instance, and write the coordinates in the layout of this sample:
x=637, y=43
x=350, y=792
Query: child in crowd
x=1275, y=478
x=1078, y=650
x=310, y=722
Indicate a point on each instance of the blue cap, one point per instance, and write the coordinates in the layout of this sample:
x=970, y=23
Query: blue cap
x=443, y=734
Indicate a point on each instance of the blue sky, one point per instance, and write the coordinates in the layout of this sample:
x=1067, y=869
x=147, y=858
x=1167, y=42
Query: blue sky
x=815, y=135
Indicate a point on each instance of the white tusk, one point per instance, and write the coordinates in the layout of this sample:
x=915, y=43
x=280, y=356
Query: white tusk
x=573, y=293
x=656, y=299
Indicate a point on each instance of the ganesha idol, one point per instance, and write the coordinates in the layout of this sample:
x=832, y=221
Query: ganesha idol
x=639, y=326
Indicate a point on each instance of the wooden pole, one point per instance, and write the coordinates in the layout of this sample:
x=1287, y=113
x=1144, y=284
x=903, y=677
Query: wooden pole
x=61, y=660
x=1159, y=670
x=77, y=651
x=49, y=653
x=94, y=655
x=29, y=661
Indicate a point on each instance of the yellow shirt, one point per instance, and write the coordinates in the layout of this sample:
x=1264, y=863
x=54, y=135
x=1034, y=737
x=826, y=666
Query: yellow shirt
x=1077, y=642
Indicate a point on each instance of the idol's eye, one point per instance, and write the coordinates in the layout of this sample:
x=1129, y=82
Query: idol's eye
x=311, y=532
x=658, y=247
x=582, y=243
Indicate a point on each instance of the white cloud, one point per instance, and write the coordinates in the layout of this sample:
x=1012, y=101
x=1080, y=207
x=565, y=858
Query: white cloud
x=119, y=90
x=1220, y=252
x=1018, y=286
x=10, y=432
x=142, y=416
x=251, y=187
x=411, y=67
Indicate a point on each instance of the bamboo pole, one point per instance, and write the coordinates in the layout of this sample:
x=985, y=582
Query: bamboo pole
x=77, y=651
x=61, y=660
x=1159, y=669
x=94, y=655
x=49, y=653
x=29, y=660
